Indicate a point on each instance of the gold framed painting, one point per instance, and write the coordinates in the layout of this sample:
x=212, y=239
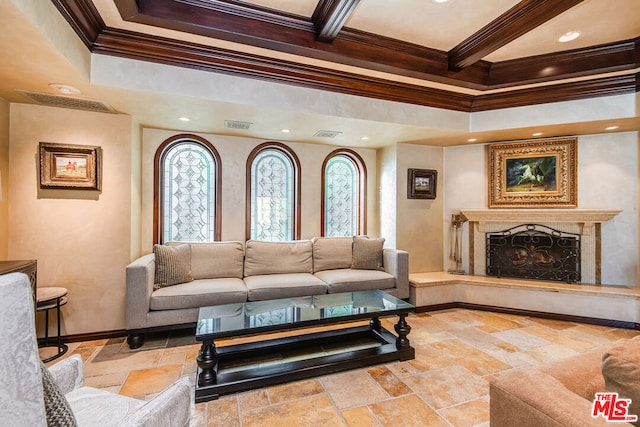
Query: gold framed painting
x=69, y=166
x=534, y=174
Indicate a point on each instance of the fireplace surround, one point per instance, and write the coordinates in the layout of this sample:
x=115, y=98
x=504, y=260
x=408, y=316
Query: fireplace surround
x=583, y=224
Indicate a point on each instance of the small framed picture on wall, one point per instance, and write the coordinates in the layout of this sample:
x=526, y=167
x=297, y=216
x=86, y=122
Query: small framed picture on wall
x=68, y=166
x=422, y=183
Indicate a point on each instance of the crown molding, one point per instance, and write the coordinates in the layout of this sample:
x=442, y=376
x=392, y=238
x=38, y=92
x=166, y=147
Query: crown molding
x=160, y=50
x=83, y=17
x=364, y=50
x=600, y=59
x=606, y=86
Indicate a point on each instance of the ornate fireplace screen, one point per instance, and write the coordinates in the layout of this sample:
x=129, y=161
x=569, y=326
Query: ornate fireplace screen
x=534, y=251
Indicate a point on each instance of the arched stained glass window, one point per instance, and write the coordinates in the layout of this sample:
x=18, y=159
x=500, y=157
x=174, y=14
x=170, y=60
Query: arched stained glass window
x=343, y=194
x=273, y=193
x=188, y=171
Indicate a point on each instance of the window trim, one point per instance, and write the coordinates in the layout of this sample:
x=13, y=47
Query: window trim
x=361, y=168
x=297, y=173
x=158, y=161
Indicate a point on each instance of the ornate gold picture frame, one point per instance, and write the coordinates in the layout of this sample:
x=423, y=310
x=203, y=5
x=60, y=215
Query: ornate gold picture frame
x=534, y=174
x=68, y=166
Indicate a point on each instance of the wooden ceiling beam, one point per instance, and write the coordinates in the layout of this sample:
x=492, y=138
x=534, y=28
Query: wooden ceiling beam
x=330, y=16
x=254, y=25
x=519, y=20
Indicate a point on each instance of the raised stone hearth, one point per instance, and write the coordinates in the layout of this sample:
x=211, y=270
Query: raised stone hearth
x=584, y=222
x=609, y=305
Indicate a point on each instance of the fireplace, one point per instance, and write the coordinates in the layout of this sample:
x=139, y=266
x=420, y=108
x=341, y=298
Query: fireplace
x=585, y=225
x=534, y=251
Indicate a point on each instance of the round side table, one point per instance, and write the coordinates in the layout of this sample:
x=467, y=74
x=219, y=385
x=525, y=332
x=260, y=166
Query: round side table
x=50, y=298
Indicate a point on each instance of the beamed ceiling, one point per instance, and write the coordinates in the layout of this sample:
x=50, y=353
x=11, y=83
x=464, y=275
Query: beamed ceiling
x=463, y=55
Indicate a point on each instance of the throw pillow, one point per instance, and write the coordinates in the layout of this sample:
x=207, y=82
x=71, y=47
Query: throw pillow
x=367, y=253
x=173, y=265
x=56, y=406
x=621, y=372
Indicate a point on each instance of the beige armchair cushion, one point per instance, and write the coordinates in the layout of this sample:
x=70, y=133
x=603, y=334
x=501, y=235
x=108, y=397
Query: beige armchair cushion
x=332, y=253
x=173, y=265
x=278, y=257
x=367, y=253
x=621, y=372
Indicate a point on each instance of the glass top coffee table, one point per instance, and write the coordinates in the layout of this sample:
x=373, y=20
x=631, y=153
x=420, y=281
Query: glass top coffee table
x=233, y=368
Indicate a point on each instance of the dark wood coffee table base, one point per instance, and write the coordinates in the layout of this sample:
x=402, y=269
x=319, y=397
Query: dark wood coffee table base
x=219, y=372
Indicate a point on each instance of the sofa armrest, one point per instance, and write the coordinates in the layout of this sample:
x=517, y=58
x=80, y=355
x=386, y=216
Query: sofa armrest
x=396, y=263
x=68, y=373
x=531, y=398
x=171, y=408
x=140, y=276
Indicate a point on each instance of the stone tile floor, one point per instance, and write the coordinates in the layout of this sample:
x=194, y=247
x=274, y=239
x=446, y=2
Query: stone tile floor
x=457, y=353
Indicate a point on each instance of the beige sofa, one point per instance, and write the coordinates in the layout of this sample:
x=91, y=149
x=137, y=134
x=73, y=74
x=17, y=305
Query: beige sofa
x=232, y=272
x=562, y=393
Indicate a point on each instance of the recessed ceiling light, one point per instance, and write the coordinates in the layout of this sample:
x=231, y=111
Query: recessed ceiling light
x=65, y=89
x=612, y=128
x=439, y=1
x=184, y=119
x=286, y=130
x=364, y=138
x=537, y=134
x=472, y=139
x=569, y=36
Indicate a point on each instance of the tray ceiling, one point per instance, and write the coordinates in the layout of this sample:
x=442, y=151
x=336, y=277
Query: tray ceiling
x=461, y=55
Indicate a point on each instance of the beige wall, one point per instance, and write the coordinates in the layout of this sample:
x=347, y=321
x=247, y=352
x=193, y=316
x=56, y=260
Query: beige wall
x=233, y=153
x=414, y=225
x=4, y=179
x=81, y=239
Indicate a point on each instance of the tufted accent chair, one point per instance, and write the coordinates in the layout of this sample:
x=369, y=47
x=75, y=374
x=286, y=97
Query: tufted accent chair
x=21, y=389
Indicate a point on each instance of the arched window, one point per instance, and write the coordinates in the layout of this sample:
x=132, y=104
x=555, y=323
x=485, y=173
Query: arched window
x=273, y=193
x=187, y=191
x=344, y=178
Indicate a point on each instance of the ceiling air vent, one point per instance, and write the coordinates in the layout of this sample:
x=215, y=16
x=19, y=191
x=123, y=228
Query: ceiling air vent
x=327, y=134
x=233, y=124
x=69, y=102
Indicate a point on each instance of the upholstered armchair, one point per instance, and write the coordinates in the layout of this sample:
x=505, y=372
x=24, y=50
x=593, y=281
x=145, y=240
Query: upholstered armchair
x=24, y=401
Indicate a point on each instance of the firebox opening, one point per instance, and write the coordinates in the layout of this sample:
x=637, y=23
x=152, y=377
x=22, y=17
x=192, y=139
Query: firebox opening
x=534, y=251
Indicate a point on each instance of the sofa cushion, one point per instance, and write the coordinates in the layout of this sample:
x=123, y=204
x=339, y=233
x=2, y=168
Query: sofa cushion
x=348, y=280
x=217, y=260
x=275, y=286
x=173, y=265
x=621, y=371
x=278, y=257
x=199, y=293
x=331, y=253
x=367, y=253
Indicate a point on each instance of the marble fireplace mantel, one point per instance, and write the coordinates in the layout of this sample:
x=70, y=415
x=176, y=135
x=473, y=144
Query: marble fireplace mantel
x=586, y=222
x=585, y=218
